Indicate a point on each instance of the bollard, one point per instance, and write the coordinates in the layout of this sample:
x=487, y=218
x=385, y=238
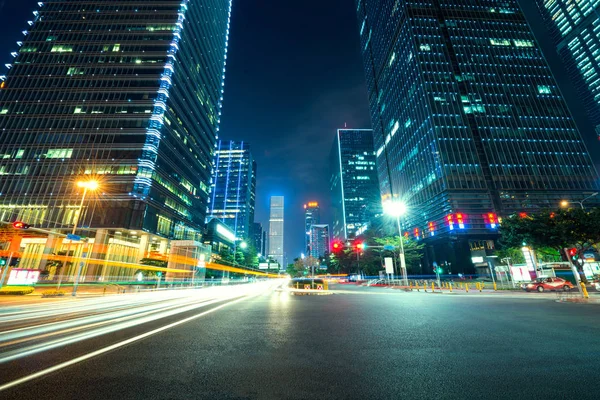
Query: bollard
x=410, y=286
x=585, y=292
x=495, y=287
x=450, y=287
x=432, y=287
x=467, y=287
x=425, y=287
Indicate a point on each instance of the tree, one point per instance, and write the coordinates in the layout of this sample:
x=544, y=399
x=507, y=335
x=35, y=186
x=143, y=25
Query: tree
x=303, y=266
x=226, y=255
x=250, y=256
x=555, y=230
x=413, y=251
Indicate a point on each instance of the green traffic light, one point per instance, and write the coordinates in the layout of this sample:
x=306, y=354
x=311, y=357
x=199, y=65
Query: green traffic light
x=2, y=262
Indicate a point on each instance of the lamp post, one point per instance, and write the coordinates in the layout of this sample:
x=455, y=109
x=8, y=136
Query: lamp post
x=87, y=186
x=397, y=209
x=565, y=203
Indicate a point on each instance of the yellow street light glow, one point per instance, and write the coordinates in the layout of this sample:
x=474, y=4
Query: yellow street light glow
x=89, y=185
x=564, y=203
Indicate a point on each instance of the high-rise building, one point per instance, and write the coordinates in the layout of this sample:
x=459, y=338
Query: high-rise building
x=319, y=239
x=354, y=183
x=121, y=92
x=276, y=230
x=265, y=243
x=575, y=27
x=257, y=237
x=312, y=215
x=232, y=197
x=469, y=124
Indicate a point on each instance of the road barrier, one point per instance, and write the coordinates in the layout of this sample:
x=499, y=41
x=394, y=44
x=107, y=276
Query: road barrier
x=585, y=292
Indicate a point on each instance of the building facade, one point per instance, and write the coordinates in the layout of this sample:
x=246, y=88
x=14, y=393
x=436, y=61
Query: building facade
x=312, y=215
x=276, y=226
x=233, y=189
x=575, y=27
x=135, y=107
x=353, y=182
x=319, y=239
x=469, y=124
x=124, y=94
x=257, y=237
x=265, y=244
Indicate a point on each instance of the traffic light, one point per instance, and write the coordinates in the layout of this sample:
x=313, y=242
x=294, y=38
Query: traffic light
x=573, y=253
x=20, y=225
x=2, y=262
x=337, y=246
x=359, y=246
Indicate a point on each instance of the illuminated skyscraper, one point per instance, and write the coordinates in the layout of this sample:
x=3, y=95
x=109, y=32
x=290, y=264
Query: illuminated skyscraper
x=312, y=216
x=126, y=92
x=276, y=230
x=258, y=238
x=353, y=182
x=469, y=124
x=232, y=197
x=575, y=27
x=319, y=240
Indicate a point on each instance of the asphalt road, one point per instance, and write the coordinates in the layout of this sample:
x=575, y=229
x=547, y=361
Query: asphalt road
x=363, y=343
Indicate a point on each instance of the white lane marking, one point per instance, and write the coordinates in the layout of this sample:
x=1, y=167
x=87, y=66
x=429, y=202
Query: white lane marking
x=113, y=346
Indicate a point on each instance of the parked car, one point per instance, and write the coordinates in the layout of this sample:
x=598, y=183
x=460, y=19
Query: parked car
x=543, y=284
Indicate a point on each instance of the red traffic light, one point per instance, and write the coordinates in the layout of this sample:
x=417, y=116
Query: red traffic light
x=359, y=245
x=572, y=252
x=20, y=225
x=337, y=246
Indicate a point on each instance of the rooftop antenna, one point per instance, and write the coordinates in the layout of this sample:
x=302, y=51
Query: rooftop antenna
x=345, y=124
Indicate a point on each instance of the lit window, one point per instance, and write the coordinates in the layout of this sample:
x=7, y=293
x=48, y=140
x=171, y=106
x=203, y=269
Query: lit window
x=500, y=42
x=523, y=43
x=59, y=153
x=61, y=48
x=543, y=89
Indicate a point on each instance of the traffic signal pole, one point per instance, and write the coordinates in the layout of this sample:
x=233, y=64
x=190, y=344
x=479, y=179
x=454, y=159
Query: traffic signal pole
x=5, y=270
x=575, y=273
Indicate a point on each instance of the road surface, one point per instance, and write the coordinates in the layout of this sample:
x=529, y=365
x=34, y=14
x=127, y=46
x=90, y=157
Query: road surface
x=260, y=343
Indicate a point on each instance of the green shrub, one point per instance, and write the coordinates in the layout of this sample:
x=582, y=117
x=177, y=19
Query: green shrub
x=16, y=290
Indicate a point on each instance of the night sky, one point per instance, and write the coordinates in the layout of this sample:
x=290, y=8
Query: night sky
x=295, y=75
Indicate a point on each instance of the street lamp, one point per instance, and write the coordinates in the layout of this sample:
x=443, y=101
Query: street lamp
x=243, y=245
x=91, y=186
x=565, y=203
x=397, y=209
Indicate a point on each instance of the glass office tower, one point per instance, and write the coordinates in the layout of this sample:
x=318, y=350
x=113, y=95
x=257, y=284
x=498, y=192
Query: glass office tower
x=233, y=189
x=353, y=182
x=469, y=123
x=312, y=216
x=124, y=92
x=575, y=27
x=319, y=239
x=276, y=230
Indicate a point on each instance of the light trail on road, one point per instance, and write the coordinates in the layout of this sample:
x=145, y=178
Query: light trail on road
x=61, y=324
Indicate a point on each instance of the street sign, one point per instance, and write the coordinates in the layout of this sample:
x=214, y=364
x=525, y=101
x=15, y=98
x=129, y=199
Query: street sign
x=70, y=236
x=389, y=265
x=389, y=247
